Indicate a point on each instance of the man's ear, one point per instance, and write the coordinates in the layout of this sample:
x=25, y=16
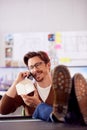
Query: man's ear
x=49, y=65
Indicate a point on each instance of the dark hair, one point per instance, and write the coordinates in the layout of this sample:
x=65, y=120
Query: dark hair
x=41, y=54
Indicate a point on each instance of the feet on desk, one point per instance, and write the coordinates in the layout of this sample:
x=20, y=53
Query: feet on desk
x=62, y=88
x=80, y=85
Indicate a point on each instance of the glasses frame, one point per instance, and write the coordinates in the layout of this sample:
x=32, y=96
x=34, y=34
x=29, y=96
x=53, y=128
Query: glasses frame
x=36, y=65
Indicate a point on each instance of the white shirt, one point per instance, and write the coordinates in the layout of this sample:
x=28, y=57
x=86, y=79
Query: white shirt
x=43, y=92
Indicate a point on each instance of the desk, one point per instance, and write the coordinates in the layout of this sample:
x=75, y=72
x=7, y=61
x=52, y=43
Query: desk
x=35, y=125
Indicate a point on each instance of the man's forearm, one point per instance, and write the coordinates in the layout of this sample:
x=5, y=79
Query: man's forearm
x=12, y=90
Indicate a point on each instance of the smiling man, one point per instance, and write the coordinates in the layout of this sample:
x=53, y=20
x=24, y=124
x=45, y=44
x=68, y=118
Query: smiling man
x=38, y=64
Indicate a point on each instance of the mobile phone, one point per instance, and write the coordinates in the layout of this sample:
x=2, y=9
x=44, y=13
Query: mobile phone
x=30, y=76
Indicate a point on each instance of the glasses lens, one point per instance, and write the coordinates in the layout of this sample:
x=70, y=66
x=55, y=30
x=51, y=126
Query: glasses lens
x=37, y=65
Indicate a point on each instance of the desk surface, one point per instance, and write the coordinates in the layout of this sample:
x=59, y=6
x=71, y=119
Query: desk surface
x=35, y=125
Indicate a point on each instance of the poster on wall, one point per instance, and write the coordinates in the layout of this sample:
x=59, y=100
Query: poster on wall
x=68, y=48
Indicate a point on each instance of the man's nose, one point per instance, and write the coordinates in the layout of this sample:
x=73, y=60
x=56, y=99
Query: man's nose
x=35, y=68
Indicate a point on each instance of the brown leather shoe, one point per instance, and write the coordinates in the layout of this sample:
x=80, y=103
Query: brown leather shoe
x=80, y=85
x=62, y=88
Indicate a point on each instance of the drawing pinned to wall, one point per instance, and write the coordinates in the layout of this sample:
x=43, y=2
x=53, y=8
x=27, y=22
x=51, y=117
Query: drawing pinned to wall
x=8, y=63
x=51, y=37
x=65, y=60
x=8, y=52
x=58, y=38
x=57, y=46
x=9, y=39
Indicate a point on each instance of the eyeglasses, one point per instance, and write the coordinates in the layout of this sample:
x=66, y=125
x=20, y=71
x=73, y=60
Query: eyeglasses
x=37, y=65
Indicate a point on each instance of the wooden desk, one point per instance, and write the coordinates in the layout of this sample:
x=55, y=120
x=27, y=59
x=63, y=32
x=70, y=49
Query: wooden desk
x=29, y=124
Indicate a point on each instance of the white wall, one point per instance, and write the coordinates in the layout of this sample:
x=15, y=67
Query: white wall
x=41, y=16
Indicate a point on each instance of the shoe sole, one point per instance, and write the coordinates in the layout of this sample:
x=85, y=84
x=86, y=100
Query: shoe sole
x=62, y=87
x=80, y=85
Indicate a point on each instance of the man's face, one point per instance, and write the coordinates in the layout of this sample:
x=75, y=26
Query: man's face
x=38, y=68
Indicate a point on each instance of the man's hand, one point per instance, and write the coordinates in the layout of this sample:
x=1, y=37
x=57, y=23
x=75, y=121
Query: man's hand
x=21, y=76
x=12, y=90
x=31, y=101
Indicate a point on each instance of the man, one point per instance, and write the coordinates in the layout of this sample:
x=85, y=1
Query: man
x=38, y=64
x=54, y=94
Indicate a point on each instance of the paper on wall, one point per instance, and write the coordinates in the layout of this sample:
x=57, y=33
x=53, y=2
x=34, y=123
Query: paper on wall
x=25, y=87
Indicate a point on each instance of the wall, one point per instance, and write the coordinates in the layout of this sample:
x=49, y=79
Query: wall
x=41, y=16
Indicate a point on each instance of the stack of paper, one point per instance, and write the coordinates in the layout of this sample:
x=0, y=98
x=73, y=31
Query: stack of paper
x=25, y=87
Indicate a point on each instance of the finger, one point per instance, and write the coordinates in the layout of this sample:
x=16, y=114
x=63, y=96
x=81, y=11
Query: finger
x=26, y=73
x=23, y=96
x=35, y=92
